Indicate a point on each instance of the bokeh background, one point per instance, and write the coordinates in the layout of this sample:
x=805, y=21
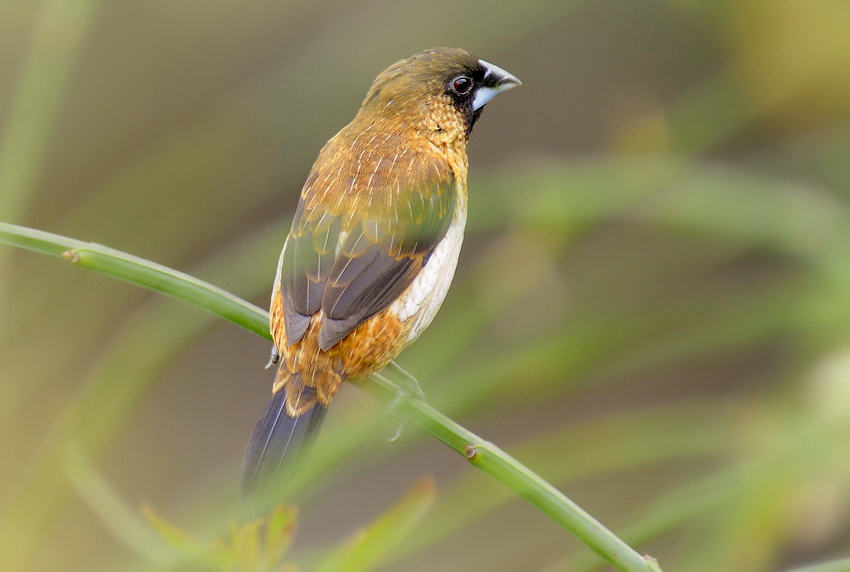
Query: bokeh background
x=652, y=307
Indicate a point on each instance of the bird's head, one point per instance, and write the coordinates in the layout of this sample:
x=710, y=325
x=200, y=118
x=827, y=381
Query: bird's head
x=441, y=90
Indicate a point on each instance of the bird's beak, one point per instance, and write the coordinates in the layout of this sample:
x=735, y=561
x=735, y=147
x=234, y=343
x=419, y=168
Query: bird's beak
x=496, y=80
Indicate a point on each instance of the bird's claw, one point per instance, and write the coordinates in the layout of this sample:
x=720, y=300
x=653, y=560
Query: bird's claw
x=407, y=388
x=274, y=358
x=398, y=431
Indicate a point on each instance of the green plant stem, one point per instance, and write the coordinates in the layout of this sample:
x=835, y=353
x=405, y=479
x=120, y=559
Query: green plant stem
x=495, y=462
x=142, y=273
x=482, y=454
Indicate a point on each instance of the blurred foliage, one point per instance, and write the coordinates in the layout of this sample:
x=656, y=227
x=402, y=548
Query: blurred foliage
x=652, y=308
x=259, y=545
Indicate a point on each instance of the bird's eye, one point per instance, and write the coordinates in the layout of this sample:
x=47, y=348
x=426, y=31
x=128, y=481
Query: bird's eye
x=462, y=85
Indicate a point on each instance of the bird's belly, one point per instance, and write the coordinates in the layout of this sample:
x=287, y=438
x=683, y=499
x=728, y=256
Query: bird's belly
x=418, y=305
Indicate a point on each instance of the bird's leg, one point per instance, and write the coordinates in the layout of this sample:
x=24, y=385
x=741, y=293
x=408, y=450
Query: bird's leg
x=275, y=357
x=408, y=387
x=407, y=384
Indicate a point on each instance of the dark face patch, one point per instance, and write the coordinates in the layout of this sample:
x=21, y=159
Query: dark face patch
x=462, y=85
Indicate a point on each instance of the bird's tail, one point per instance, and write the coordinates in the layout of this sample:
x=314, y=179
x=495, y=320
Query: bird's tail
x=281, y=435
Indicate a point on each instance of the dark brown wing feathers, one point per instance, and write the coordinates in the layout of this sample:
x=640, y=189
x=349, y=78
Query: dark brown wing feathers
x=361, y=234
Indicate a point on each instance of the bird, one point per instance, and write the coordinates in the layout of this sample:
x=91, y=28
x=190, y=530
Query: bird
x=373, y=246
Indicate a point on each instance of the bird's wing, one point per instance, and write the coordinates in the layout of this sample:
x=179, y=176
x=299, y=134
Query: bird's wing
x=352, y=255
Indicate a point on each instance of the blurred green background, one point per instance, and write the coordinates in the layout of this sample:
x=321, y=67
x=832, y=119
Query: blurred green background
x=652, y=307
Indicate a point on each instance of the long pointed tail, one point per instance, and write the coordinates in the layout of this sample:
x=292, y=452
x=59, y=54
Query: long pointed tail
x=278, y=441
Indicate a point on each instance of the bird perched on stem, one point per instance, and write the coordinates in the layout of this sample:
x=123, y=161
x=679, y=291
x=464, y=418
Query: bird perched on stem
x=373, y=245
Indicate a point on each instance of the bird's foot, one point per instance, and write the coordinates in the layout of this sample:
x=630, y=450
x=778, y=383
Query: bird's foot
x=408, y=388
x=275, y=357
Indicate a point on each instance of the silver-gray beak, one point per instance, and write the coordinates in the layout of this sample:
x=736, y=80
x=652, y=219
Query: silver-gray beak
x=496, y=80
